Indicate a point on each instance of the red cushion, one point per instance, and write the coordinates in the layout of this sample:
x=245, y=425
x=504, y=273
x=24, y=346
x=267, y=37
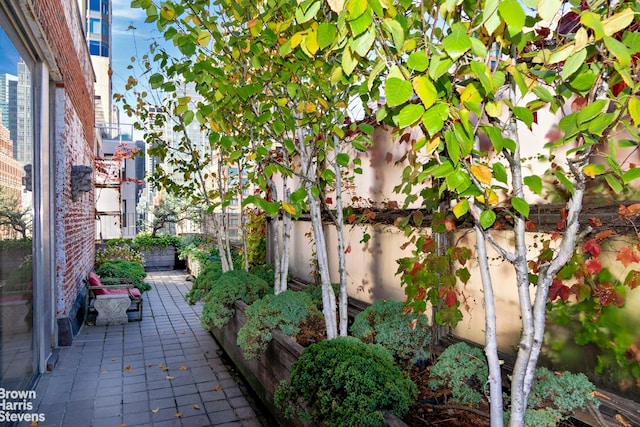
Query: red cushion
x=94, y=280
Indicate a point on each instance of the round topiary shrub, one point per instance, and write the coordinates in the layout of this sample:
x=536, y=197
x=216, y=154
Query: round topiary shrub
x=116, y=268
x=345, y=382
x=266, y=272
x=406, y=336
x=225, y=291
x=463, y=370
x=201, y=285
x=285, y=311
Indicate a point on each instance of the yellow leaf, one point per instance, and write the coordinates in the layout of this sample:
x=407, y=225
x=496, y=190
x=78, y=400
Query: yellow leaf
x=34, y=423
x=104, y=372
x=634, y=109
x=169, y=377
x=433, y=144
x=336, y=5
x=461, y=208
x=482, y=173
x=166, y=13
x=155, y=411
x=179, y=415
x=323, y=103
x=113, y=359
x=493, y=108
x=618, y=22
x=204, y=38
x=184, y=368
x=282, y=102
x=287, y=207
x=493, y=197
x=311, y=42
x=217, y=388
x=127, y=368
x=197, y=407
x=309, y=107
x=295, y=40
x=252, y=23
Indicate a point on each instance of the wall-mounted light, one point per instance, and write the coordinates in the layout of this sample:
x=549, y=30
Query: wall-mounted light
x=80, y=180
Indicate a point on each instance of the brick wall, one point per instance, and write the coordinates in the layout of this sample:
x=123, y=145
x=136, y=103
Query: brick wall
x=74, y=119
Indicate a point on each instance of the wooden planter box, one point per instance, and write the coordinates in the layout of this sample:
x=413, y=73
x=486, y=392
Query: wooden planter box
x=158, y=258
x=264, y=375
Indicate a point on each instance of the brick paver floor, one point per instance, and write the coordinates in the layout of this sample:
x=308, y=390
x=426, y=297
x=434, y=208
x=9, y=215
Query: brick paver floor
x=163, y=371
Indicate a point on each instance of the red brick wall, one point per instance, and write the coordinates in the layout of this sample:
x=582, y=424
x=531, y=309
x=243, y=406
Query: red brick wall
x=74, y=141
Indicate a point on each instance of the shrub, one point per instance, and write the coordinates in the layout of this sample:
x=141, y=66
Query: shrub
x=406, y=336
x=117, y=268
x=345, y=382
x=554, y=397
x=266, y=272
x=286, y=311
x=231, y=286
x=117, y=252
x=462, y=369
x=202, y=284
x=315, y=291
x=144, y=241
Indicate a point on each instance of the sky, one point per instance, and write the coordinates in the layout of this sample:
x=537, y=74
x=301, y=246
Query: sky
x=9, y=57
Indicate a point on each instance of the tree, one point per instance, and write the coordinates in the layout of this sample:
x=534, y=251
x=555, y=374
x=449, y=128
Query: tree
x=466, y=72
x=13, y=216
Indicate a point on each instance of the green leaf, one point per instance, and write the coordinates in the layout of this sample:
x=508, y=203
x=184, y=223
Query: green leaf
x=487, y=218
x=513, y=15
x=348, y=61
x=490, y=16
x=394, y=28
x=481, y=71
x=547, y=9
x=614, y=184
x=362, y=24
x=310, y=13
x=443, y=170
x=573, y=63
x=534, y=182
x=591, y=111
x=500, y=172
x=355, y=9
x=593, y=169
x=618, y=49
x=425, y=90
x=565, y=181
x=343, y=159
x=520, y=206
x=592, y=20
x=188, y=117
x=542, y=93
x=409, y=115
x=634, y=110
x=523, y=114
x=630, y=175
x=418, y=61
x=398, y=91
x=155, y=80
x=457, y=43
x=362, y=44
x=461, y=208
x=327, y=33
x=453, y=147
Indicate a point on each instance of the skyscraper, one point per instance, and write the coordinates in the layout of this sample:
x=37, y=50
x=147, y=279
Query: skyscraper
x=99, y=43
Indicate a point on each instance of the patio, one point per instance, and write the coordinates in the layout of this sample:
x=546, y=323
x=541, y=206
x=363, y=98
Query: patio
x=163, y=371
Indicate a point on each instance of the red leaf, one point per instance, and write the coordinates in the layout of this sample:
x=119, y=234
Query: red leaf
x=348, y=249
x=603, y=234
x=451, y=298
x=560, y=225
x=554, y=135
x=429, y=245
x=633, y=279
x=564, y=213
x=388, y=157
x=449, y=224
x=578, y=104
x=530, y=225
x=595, y=222
x=593, y=247
x=416, y=267
x=535, y=117
x=351, y=218
x=329, y=200
x=627, y=255
x=593, y=265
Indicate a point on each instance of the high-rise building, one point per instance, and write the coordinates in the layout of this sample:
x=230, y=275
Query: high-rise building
x=9, y=103
x=98, y=29
x=23, y=142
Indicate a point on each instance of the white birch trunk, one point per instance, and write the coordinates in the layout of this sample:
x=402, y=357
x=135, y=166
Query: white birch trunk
x=342, y=267
x=242, y=219
x=309, y=173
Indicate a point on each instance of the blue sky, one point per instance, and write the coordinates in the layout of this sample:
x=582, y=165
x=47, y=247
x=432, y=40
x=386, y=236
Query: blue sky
x=9, y=57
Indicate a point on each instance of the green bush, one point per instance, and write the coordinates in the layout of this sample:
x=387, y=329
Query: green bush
x=315, y=291
x=463, y=370
x=345, y=382
x=285, y=311
x=231, y=286
x=554, y=397
x=201, y=285
x=406, y=336
x=266, y=272
x=117, y=268
x=144, y=241
x=117, y=252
